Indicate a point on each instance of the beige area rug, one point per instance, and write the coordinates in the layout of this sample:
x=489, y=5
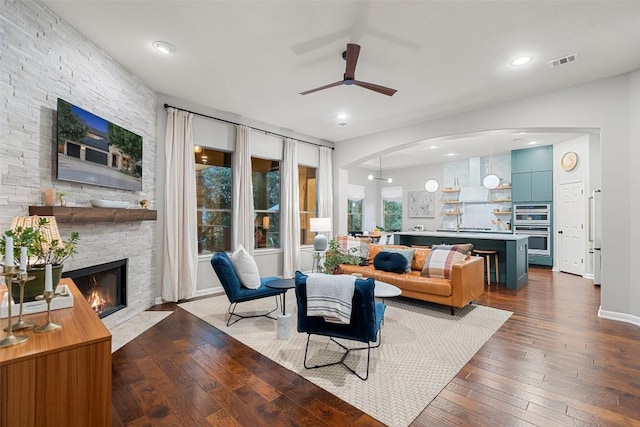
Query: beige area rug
x=125, y=332
x=423, y=348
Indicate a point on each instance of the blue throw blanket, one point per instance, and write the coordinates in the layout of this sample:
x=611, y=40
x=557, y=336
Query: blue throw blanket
x=330, y=296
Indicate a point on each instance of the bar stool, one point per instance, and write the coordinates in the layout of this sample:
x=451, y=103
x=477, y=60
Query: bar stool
x=486, y=253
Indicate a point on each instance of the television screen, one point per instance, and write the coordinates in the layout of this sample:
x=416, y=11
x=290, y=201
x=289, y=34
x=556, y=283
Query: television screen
x=92, y=150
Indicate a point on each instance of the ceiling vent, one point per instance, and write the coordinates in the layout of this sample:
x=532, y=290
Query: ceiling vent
x=563, y=60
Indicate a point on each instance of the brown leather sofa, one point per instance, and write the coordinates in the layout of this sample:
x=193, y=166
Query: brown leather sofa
x=466, y=282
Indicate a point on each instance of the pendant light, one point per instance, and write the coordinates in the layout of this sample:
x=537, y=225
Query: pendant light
x=379, y=177
x=491, y=181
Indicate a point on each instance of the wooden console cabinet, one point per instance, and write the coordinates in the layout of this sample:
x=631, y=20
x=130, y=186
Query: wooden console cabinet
x=60, y=378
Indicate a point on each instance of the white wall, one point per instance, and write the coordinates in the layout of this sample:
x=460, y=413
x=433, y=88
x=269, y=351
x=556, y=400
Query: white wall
x=43, y=58
x=222, y=136
x=604, y=105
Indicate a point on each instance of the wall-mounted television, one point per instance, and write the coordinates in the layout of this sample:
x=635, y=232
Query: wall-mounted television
x=92, y=150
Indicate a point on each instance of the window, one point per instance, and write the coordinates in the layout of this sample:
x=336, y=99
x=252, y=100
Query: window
x=307, y=194
x=354, y=215
x=392, y=208
x=355, y=195
x=213, y=198
x=266, y=202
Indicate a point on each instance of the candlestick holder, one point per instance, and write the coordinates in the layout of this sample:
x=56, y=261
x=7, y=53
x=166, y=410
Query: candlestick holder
x=49, y=326
x=22, y=280
x=9, y=272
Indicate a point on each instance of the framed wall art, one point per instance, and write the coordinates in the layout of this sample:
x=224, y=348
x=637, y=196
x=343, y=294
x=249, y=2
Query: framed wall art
x=421, y=204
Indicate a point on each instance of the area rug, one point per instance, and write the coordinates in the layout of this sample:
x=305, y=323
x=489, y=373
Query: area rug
x=125, y=332
x=423, y=348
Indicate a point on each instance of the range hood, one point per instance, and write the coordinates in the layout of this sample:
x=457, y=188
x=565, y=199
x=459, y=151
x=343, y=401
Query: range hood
x=475, y=192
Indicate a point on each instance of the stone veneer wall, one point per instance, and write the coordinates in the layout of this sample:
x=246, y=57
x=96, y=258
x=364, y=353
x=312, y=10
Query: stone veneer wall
x=43, y=58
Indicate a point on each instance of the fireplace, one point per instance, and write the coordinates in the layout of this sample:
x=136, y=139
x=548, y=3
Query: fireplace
x=104, y=286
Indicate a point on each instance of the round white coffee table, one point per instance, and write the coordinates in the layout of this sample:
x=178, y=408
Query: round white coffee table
x=386, y=290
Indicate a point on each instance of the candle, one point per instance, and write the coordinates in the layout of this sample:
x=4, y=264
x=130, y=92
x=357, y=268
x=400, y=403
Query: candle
x=8, y=251
x=23, y=258
x=48, y=283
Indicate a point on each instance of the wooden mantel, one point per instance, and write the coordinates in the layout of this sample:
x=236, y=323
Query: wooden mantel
x=76, y=215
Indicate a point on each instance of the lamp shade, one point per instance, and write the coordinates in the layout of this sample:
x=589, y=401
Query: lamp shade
x=320, y=224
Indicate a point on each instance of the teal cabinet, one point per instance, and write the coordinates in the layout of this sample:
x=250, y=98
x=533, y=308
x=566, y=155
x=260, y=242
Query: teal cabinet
x=532, y=159
x=521, y=187
x=542, y=186
x=532, y=186
x=532, y=175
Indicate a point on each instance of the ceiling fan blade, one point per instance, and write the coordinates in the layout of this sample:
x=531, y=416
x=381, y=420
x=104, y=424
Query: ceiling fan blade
x=353, y=50
x=307, y=92
x=376, y=88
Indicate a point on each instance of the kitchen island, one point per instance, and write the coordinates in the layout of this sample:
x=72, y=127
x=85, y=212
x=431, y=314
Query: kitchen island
x=512, y=249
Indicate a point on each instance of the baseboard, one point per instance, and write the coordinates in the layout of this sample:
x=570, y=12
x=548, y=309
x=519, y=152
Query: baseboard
x=209, y=291
x=620, y=317
x=588, y=276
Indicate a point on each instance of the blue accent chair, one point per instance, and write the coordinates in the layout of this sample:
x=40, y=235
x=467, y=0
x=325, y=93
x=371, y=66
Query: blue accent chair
x=366, y=317
x=236, y=293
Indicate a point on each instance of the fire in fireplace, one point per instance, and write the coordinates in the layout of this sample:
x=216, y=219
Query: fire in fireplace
x=104, y=286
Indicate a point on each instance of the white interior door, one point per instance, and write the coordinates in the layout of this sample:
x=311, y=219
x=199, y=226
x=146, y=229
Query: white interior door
x=570, y=227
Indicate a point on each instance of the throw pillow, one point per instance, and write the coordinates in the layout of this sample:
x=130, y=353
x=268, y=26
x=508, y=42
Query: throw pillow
x=246, y=268
x=407, y=253
x=392, y=262
x=441, y=259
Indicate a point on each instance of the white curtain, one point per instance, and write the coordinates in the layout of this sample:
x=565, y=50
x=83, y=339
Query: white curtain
x=391, y=194
x=325, y=184
x=290, y=210
x=355, y=192
x=180, y=248
x=243, y=232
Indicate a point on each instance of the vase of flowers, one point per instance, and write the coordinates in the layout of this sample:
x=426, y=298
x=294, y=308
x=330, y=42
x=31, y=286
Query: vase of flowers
x=41, y=250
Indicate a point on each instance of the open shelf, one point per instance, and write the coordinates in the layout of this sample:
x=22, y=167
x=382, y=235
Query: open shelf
x=66, y=214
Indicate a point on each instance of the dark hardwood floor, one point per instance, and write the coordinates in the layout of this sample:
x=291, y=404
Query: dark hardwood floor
x=554, y=362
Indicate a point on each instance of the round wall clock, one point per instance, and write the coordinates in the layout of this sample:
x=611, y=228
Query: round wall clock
x=569, y=161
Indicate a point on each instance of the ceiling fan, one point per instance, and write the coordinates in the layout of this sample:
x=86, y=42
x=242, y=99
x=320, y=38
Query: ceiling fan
x=351, y=56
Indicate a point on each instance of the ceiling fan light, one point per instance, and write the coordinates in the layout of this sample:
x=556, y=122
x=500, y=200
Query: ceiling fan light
x=491, y=181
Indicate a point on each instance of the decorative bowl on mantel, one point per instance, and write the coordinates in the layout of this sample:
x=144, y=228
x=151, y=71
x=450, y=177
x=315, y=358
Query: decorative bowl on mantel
x=117, y=204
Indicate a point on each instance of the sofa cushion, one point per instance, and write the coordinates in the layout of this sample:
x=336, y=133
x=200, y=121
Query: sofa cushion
x=441, y=260
x=419, y=258
x=390, y=261
x=246, y=268
x=404, y=250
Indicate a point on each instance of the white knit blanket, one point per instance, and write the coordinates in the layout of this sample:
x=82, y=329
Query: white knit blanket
x=330, y=296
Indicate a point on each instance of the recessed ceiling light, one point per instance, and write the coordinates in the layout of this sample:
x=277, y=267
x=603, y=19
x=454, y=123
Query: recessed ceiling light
x=163, y=47
x=533, y=142
x=451, y=154
x=521, y=61
x=342, y=116
x=433, y=147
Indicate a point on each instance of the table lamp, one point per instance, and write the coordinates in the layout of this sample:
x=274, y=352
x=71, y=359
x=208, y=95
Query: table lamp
x=319, y=225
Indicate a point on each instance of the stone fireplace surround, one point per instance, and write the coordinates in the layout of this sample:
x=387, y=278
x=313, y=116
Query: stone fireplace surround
x=44, y=58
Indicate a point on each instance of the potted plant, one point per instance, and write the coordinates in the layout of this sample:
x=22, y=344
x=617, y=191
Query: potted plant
x=40, y=251
x=334, y=256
